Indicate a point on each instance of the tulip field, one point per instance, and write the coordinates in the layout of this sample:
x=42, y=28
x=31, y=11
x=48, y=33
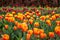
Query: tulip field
x=29, y=23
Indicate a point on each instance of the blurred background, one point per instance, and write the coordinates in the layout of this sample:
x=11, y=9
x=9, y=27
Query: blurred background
x=51, y=3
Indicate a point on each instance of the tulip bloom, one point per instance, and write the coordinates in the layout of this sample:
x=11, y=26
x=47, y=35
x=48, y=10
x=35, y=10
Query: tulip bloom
x=36, y=24
x=48, y=22
x=43, y=35
x=5, y=37
x=30, y=21
x=30, y=32
x=58, y=23
x=6, y=27
x=41, y=31
x=43, y=18
x=51, y=34
x=15, y=28
x=53, y=17
x=28, y=37
x=36, y=31
x=57, y=30
x=24, y=27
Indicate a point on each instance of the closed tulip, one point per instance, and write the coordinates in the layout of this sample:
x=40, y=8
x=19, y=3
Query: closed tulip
x=57, y=30
x=5, y=37
x=51, y=34
x=43, y=35
x=48, y=22
x=36, y=24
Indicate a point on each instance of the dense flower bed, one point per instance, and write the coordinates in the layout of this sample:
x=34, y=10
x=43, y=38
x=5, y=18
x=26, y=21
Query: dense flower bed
x=33, y=24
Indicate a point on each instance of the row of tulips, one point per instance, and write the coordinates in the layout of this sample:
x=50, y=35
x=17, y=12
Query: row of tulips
x=24, y=9
x=30, y=26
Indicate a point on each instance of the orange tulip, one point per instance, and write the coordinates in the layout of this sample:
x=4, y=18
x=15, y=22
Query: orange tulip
x=51, y=34
x=58, y=23
x=11, y=19
x=57, y=30
x=57, y=15
x=47, y=16
x=30, y=32
x=30, y=21
x=25, y=20
x=36, y=31
x=48, y=22
x=6, y=27
x=9, y=15
x=19, y=25
x=43, y=18
x=6, y=18
x=28, y=37
x=15, y=16
x=20, y=16
x=24, y=16
x=5, y=37
x=50, y=18
x=53, y=17
x=36, y=24
x=27, y=13
x=15, y=28
x=16, y=23
x=41, y=31
x=24, y=27
x=43, y=35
